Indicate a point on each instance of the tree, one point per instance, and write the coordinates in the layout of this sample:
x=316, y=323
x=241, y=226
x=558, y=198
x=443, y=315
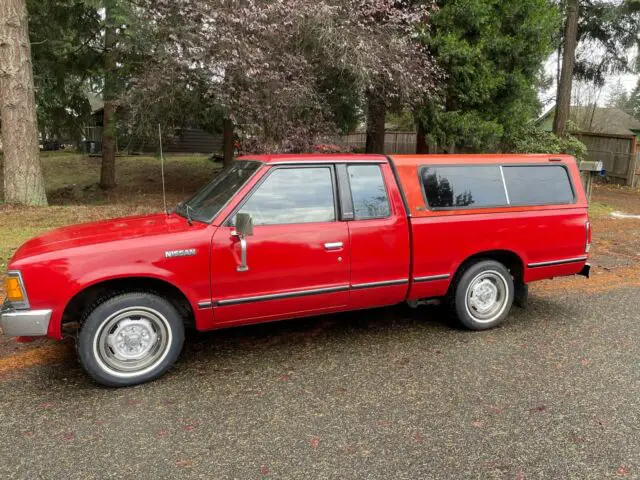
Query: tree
x=634, y=101
x=80, y=48
x=65, y=47
x=618, y=96
x=607, y=34
x=108, y=168
x=407, y=63
x=563, y=102
x=23, y=180
x=491, y=52
x=286, y=73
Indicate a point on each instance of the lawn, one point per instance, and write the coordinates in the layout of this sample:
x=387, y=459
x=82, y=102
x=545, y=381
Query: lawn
x=73, y=194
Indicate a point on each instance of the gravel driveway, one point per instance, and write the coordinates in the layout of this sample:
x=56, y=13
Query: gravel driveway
x=384, y=394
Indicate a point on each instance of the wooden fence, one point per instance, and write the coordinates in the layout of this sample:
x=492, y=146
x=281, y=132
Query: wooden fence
x=394, y=142
x=618, y=154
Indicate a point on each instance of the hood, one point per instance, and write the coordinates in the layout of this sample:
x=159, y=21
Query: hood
x=87, y=234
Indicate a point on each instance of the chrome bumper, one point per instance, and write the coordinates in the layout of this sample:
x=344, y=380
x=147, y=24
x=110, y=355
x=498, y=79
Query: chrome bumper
x=25, y=323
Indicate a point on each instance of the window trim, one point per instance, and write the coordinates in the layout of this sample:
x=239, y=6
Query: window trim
x=330, y=167
x=347, y=213
x=384, y=184
x=500, y=166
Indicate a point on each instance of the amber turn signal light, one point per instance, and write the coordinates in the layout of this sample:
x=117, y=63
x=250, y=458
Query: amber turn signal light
x=14, y=289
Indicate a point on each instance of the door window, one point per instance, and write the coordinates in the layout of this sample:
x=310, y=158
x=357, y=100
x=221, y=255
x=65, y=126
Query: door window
x=293, y=195
x=368, y=192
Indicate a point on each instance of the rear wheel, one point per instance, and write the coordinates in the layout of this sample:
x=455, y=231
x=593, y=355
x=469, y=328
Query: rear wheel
x=130, y=339
x=483, y=295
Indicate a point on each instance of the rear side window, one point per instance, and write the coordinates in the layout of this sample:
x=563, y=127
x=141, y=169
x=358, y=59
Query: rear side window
x=460, y=186
x=538, y=185
x=368, y=192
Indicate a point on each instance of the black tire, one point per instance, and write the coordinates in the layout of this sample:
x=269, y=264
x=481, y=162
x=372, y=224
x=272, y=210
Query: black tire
x=126, y=325
x=484, y=279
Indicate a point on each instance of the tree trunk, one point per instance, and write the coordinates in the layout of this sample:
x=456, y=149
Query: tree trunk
x=227, y=145
x=108, y=171
x=563, y=102
x=376, y=115
x=421, y=139
x=23, y=180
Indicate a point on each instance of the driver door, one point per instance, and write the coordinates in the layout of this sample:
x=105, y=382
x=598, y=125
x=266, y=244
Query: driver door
x=297, y=258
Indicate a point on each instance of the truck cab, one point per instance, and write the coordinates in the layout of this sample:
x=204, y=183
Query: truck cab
x=285, y=236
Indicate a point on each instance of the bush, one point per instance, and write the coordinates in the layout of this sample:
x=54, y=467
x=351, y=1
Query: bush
x=536, y=140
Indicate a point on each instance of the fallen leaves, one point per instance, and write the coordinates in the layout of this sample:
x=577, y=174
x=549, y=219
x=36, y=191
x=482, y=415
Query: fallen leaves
x=417, y=437
x=538, y=409
x=42, y=355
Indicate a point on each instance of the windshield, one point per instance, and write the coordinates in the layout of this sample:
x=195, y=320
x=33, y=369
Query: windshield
x=209, y=200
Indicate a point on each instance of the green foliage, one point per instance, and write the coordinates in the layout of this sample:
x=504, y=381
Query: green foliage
x=536, y=140
x=402, y=121
x=608, y=32
x=633, y=104
x=492, y=52
x=68, y=54
x=65, y=52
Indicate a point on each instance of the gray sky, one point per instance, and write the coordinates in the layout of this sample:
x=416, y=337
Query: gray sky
x=548, y=96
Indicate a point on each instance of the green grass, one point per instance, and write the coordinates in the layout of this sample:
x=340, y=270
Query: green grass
x=74, y=196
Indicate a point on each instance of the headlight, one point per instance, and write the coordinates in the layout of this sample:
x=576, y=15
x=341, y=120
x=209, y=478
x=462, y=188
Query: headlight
x=16, y=292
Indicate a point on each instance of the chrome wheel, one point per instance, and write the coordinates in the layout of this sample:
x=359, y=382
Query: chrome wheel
x=486, y=296
x=132, y=341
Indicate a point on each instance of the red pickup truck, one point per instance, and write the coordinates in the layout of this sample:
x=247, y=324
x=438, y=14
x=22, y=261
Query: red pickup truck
x=286, y=236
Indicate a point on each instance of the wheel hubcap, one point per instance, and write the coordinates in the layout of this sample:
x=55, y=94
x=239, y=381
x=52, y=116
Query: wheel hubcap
x=486, y=296
x=132, y=341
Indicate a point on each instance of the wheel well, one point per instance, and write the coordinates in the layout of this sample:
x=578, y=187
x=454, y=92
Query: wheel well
x=509, y=259
x=85, y=299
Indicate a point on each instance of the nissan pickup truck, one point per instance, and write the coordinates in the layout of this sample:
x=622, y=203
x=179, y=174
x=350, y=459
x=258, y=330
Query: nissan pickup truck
x=285, y=236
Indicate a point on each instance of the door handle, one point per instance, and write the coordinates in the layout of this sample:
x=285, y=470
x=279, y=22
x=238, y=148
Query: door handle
x=333, y=246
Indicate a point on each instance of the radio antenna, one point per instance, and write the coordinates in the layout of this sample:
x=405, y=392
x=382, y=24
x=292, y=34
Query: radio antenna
x=164, y=193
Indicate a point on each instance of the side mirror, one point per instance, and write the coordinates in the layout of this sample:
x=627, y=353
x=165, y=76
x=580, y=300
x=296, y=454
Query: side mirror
x=244, y=224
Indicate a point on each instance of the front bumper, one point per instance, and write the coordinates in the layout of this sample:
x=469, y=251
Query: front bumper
x=24, y=323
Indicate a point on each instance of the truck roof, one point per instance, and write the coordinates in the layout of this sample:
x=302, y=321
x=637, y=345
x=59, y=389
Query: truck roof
x=314, y=157
x=410, y=160
x=476, y=158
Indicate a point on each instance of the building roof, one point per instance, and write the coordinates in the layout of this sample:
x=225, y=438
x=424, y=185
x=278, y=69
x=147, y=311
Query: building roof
x=613, y=121
x=95, y=101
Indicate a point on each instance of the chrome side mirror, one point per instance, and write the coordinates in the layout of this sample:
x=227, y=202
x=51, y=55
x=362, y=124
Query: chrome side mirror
x=244, y=228
x=244, y=224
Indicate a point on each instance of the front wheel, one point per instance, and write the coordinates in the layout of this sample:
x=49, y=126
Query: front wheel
x=483, y=295
x=130, y=339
